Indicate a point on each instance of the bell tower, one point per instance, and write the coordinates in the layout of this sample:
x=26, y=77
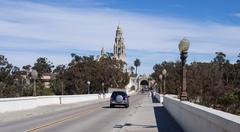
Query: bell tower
x=119, y=47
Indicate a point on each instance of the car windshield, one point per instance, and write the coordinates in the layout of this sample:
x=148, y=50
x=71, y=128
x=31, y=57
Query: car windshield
x=114, y=94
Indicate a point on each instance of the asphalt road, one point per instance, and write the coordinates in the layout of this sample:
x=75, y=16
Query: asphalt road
x=90, y=118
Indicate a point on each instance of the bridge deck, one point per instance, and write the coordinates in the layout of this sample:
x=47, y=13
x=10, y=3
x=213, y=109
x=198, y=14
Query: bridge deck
x=151, y=116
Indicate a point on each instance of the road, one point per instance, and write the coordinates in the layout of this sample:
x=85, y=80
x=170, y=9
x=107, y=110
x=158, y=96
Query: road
x=90, y=118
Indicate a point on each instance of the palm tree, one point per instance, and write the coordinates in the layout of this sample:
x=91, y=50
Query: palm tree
x=137, y=63
x=238, y=61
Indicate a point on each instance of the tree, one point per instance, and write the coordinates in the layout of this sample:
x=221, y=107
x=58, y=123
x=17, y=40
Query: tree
x=220, y=59
x=26, y=70
x=85, y=68
x=172, y=79
x=43, y=66
x=27, y=67
x=9, y=78
x=238, y=61
x=60, y=69
x=74, y=76
x=215, y=84
x=137, y=63
x=58, y=83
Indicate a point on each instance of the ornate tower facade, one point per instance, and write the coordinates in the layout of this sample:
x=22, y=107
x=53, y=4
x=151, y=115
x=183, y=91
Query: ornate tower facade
x=119, y=47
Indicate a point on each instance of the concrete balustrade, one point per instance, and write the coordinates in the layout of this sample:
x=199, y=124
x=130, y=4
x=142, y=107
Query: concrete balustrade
x=159, y=97
x=78, y=98
x=196, y=118
x=24, y=103
x=46, y=100
x=14, y=104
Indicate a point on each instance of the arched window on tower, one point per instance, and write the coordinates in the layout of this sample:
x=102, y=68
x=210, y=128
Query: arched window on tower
x=119, y=52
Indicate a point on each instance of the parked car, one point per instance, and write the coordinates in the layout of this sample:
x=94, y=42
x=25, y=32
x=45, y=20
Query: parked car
x=119, y=98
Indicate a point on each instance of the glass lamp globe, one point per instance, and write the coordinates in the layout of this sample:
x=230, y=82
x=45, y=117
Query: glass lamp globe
x=34, y=74
x=164, y=72
x=184, y=45
x=88, y=82
x=160, y=77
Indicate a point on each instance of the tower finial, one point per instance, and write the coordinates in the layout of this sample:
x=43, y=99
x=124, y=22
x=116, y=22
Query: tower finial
x=119, y=25
x=102, y=51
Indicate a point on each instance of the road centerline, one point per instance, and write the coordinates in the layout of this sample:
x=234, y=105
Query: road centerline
x=64, y=119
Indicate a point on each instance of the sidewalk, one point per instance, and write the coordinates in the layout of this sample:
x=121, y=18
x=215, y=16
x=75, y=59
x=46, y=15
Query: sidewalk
x=14, y=116
x=151, y=116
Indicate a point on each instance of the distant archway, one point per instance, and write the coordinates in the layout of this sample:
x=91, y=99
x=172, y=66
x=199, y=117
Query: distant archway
x=144, y=85
x=144, y=82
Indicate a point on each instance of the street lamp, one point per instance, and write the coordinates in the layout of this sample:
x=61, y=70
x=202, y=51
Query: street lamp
x=34, y=74
x=164, y=72
x=88, y=82
x=183, y=48
x=103, y=87
x=160, y=89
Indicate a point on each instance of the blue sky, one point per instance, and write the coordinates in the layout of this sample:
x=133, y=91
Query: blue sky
x=152, y=29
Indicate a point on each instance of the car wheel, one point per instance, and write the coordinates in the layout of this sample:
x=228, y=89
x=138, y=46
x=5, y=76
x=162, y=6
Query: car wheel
x=111, y=105
x=127, y=105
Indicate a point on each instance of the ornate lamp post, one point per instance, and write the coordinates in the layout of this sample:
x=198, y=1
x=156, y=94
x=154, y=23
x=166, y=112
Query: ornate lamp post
x=34, y=74
x=160, y=89
x=183, y=48
x=88, y=82
x=164, y=72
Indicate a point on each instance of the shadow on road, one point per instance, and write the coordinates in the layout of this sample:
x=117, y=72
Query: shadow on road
x=165, y=122
x=116, y=107
x=129, y=124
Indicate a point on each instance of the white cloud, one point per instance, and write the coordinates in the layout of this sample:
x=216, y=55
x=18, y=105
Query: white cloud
x=236, y=14
x=26, y=25
x=21, y=58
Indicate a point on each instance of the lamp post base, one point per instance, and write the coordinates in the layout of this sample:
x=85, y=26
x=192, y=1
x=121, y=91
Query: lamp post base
x=183, y=96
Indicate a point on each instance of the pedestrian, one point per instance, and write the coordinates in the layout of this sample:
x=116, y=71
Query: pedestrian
x=99, y=95
x=149, y=94
x=104, y=95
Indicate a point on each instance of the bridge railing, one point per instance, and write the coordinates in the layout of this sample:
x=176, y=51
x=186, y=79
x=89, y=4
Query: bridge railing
x=24, y=103
x=196, y=118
